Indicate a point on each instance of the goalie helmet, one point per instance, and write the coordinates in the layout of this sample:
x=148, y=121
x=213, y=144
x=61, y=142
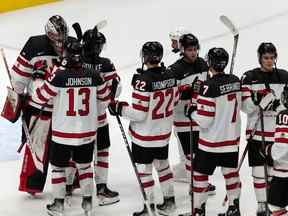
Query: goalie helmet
x=57, y=31
x=151, y=52
x=266, y=47
x=284, y=96
x=217, y=58
x=93, y=42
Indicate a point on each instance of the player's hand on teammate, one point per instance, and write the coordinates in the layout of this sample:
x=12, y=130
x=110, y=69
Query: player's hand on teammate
x=115, y=107
x=189, y=109
x=39, y=69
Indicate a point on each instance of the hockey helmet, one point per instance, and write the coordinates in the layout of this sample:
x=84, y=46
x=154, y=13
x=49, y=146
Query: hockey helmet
x=72, y=52
x=188, y=40
x=175, y=36
x=151, y=52
x=93, y=42
x=266, y=47
x=56, y=30
x=217, y=58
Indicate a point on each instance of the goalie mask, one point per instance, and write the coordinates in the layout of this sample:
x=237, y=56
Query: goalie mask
x=57, y=31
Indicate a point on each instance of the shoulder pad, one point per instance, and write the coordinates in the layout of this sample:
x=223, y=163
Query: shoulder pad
x=107, y=65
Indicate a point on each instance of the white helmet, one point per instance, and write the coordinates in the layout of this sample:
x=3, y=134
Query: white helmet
x=175, y=36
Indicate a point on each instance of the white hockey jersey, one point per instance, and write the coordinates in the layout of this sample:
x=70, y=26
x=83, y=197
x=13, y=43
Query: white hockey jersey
x=257, y=80
x=77, y=95
x=186, y=73
x=218, y=114
x=107, y=70
x=155, y=94
x=37, y=48
x=279, y=150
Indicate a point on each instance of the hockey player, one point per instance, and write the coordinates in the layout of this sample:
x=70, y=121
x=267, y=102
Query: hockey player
x=154, y=96
x=262, y=86
x=278, y=194
x=218, y=115
x=27, y=73
x=190, y=68
x=75, y=93
x=93, y=42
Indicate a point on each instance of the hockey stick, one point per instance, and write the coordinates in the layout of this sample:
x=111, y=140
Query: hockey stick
x=77, y=28
x=265, y=164
x=146, y=202
x=6, y=66
x=228, y=23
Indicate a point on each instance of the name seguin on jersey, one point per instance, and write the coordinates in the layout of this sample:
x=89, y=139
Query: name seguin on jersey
x=229, y=87
x=163, y=84
x=85, y=81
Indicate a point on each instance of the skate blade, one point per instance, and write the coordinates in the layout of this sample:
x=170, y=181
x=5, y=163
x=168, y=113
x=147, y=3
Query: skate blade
x=211, y=193
x=103, y=201
x=52, y=213
x=170, y=213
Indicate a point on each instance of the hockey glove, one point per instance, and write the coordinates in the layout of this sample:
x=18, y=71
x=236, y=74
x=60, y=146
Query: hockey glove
x=189, y=109
x=115, y=107
x=269, y=102
x=39, y=69
x=114, y=86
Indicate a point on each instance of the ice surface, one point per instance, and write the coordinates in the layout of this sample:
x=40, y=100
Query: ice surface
x=130, y=24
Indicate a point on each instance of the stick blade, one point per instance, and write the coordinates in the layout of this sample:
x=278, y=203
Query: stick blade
x=101, y=24
x=229, y=24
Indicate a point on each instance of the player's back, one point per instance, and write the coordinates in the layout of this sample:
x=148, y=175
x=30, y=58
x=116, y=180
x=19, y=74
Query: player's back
x=218, y=112
x=156, y=94
x=75, y=106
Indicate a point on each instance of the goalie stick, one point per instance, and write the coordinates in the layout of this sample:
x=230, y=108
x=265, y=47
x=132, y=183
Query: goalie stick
x=229, y=24
x=37, y=163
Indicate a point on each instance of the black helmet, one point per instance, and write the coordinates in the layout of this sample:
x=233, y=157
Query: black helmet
x=188, y=40
x=93, y=42
x=284, y=96
x=56, y=30
x=152, y=52
x=217, y=58
x=72, y=52
x=266, y=47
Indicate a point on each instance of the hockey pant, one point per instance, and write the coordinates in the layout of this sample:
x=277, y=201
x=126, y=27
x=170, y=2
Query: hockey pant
x=59, y=180
x=200, y=186
x=259, y=182
x=164, y=174
x=31, y=179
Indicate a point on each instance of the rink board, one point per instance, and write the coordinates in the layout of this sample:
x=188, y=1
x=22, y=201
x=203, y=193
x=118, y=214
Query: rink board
x=8, y=5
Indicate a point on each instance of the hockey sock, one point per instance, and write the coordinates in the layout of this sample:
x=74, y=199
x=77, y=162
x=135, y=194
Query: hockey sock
x=58, y=182
x=101, y=166
x=165, y=177
x=70, y=173
x=145, y=174
x=86, y=179
x=259, y=183
x=200, y=185
x=233, y=184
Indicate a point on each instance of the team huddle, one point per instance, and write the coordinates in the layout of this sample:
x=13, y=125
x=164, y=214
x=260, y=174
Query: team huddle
x=62, y=88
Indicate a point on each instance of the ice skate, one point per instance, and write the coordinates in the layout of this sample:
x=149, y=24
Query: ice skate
x=87, y=205
x=56, y=208
x=106, y=196
x=233, y=210
x=168, y=207
x=144, y=211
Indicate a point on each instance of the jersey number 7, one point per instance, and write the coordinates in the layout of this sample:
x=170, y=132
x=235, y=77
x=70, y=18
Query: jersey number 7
x=232, y=97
